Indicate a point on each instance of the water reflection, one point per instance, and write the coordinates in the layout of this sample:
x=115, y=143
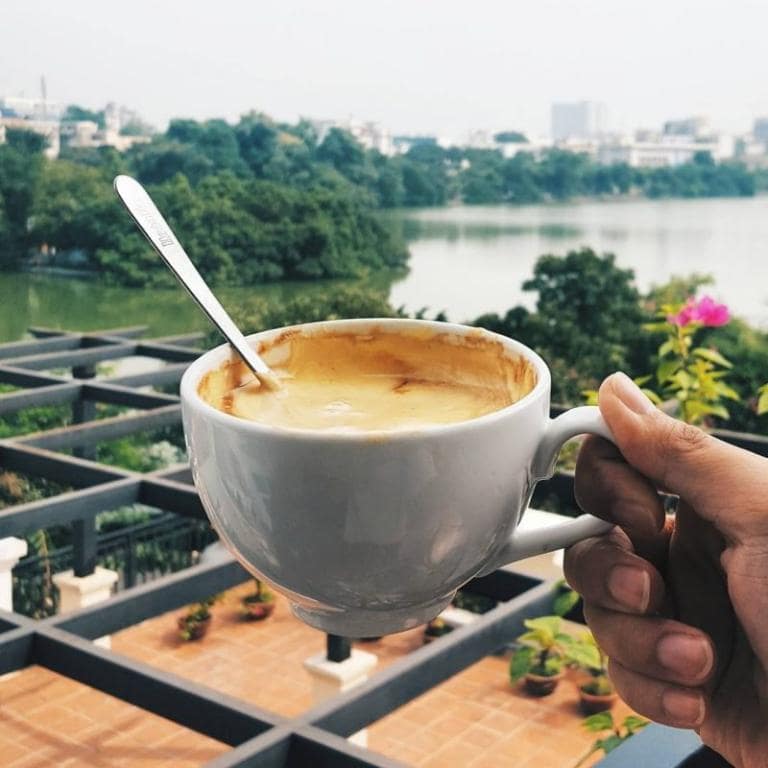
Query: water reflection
x=87, y=305
x=451, y=231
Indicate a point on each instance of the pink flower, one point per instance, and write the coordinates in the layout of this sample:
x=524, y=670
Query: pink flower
x=687, y=314
x=705, y=311
x=711, y=313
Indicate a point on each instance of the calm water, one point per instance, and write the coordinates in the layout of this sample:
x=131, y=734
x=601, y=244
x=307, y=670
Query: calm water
x=463, y=260
x=472, y=260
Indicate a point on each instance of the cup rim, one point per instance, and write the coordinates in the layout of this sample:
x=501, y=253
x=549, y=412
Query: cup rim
x=209, y=360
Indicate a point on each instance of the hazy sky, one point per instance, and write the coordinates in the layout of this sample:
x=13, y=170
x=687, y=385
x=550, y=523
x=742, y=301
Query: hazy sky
x=414, y=65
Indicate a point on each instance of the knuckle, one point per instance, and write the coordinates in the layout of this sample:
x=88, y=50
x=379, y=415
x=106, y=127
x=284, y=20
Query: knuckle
x=681, y=439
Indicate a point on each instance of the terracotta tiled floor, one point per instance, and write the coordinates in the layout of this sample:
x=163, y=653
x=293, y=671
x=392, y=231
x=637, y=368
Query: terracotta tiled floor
x=49, y=721
x=474, y=719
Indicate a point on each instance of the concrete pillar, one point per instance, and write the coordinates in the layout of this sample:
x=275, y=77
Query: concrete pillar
x=77, y=592
x=11, y=551
x=333, y=677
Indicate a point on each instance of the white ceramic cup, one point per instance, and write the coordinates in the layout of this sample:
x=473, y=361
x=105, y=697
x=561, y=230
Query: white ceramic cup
x=370, y=533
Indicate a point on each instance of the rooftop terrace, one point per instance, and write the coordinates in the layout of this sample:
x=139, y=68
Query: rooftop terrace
x=239, y=698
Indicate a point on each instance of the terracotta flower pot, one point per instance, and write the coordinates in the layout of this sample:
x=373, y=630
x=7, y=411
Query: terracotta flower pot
x=542, y=685
x=192, y=628
x=255, y=610
x=432, y=633
x=592, y=703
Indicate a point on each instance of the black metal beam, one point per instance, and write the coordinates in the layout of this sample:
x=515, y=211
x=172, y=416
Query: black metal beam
x=178, y=497
x=115, y=394
x=133, y=605
x=39, y=346
x=337, y=648
x=269, y=750
x=19, y=377
x=68, y=470
x=192, y=705
x=68, y=507
x=167, y=352
x=70, y=359
x=181, y=339
x=128, y=332
x=50, y=394
x=15, y=650
x=104, y=430
x=162, y=377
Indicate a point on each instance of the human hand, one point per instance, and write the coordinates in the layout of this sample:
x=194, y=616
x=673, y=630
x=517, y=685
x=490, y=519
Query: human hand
x=679, y=605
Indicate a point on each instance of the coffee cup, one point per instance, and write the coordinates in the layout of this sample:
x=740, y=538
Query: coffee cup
x=372, y=532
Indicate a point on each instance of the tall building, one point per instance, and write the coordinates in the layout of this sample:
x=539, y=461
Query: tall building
x=578, y=120
x=689, y=127
x=760, y=129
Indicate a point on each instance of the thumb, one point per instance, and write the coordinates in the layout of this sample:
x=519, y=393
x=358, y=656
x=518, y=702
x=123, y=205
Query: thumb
x=712, y=476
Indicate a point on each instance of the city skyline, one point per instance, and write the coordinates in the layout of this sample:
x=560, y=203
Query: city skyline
x=415, y=68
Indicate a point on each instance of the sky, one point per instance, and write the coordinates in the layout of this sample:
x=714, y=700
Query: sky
x=416, y=66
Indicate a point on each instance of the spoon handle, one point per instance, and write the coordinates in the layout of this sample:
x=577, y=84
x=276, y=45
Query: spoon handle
x=156, y=229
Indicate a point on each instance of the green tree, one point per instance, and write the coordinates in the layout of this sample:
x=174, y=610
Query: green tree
x=483, y=180
x=21, y=163
x=586, y=324
x=342, y=151
x=510, y=137
x=520, y=179
x=75, y=113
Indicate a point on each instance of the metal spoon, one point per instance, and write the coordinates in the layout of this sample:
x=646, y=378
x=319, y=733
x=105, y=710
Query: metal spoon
x=155, y=228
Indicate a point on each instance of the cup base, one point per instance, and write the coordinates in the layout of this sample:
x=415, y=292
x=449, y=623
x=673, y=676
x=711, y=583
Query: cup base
x=362, y=623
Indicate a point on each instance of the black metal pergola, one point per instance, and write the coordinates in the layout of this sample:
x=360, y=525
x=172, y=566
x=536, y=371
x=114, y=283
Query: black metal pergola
x=62, y=643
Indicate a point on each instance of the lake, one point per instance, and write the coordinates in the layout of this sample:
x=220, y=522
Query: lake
x=471, y=260
x=464, y=260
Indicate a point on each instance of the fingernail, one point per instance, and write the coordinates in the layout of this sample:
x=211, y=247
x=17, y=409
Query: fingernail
x=630, y=394
x=686, y=655
x=630, y=586
x=683, y=707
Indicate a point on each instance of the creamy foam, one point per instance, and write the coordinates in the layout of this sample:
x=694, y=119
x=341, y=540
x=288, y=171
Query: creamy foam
x=387, y=380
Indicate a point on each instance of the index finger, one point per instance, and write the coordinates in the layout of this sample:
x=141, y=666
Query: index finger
x=609, y=488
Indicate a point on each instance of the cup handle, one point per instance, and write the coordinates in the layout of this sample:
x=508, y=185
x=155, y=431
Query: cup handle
x=522, y=544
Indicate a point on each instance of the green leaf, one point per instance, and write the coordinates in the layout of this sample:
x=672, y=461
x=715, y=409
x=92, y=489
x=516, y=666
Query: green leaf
x=565, y=602
x=640, y=380
x=610, y=743
x=666, y=369
x=667, y=347
x=547, y=626
x=521, y=662
x=656, y=327
x=713, y=356
x=531, y=638
x=602, y=721
x=651, y=395
x=586, y=655
x=762, y=403
x=590, y=396
x=723, y=389
x=695, y=409
x=553, y=665
x=634, y=723
x=683, y=379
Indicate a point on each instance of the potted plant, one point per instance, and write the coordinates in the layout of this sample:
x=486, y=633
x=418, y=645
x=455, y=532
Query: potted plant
x=473, y=602
x=194, y=625
x=259, y=604
x=436, y=628
x=613, y=735
x=542, y=656
x=597, y=693
x=566, y=600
